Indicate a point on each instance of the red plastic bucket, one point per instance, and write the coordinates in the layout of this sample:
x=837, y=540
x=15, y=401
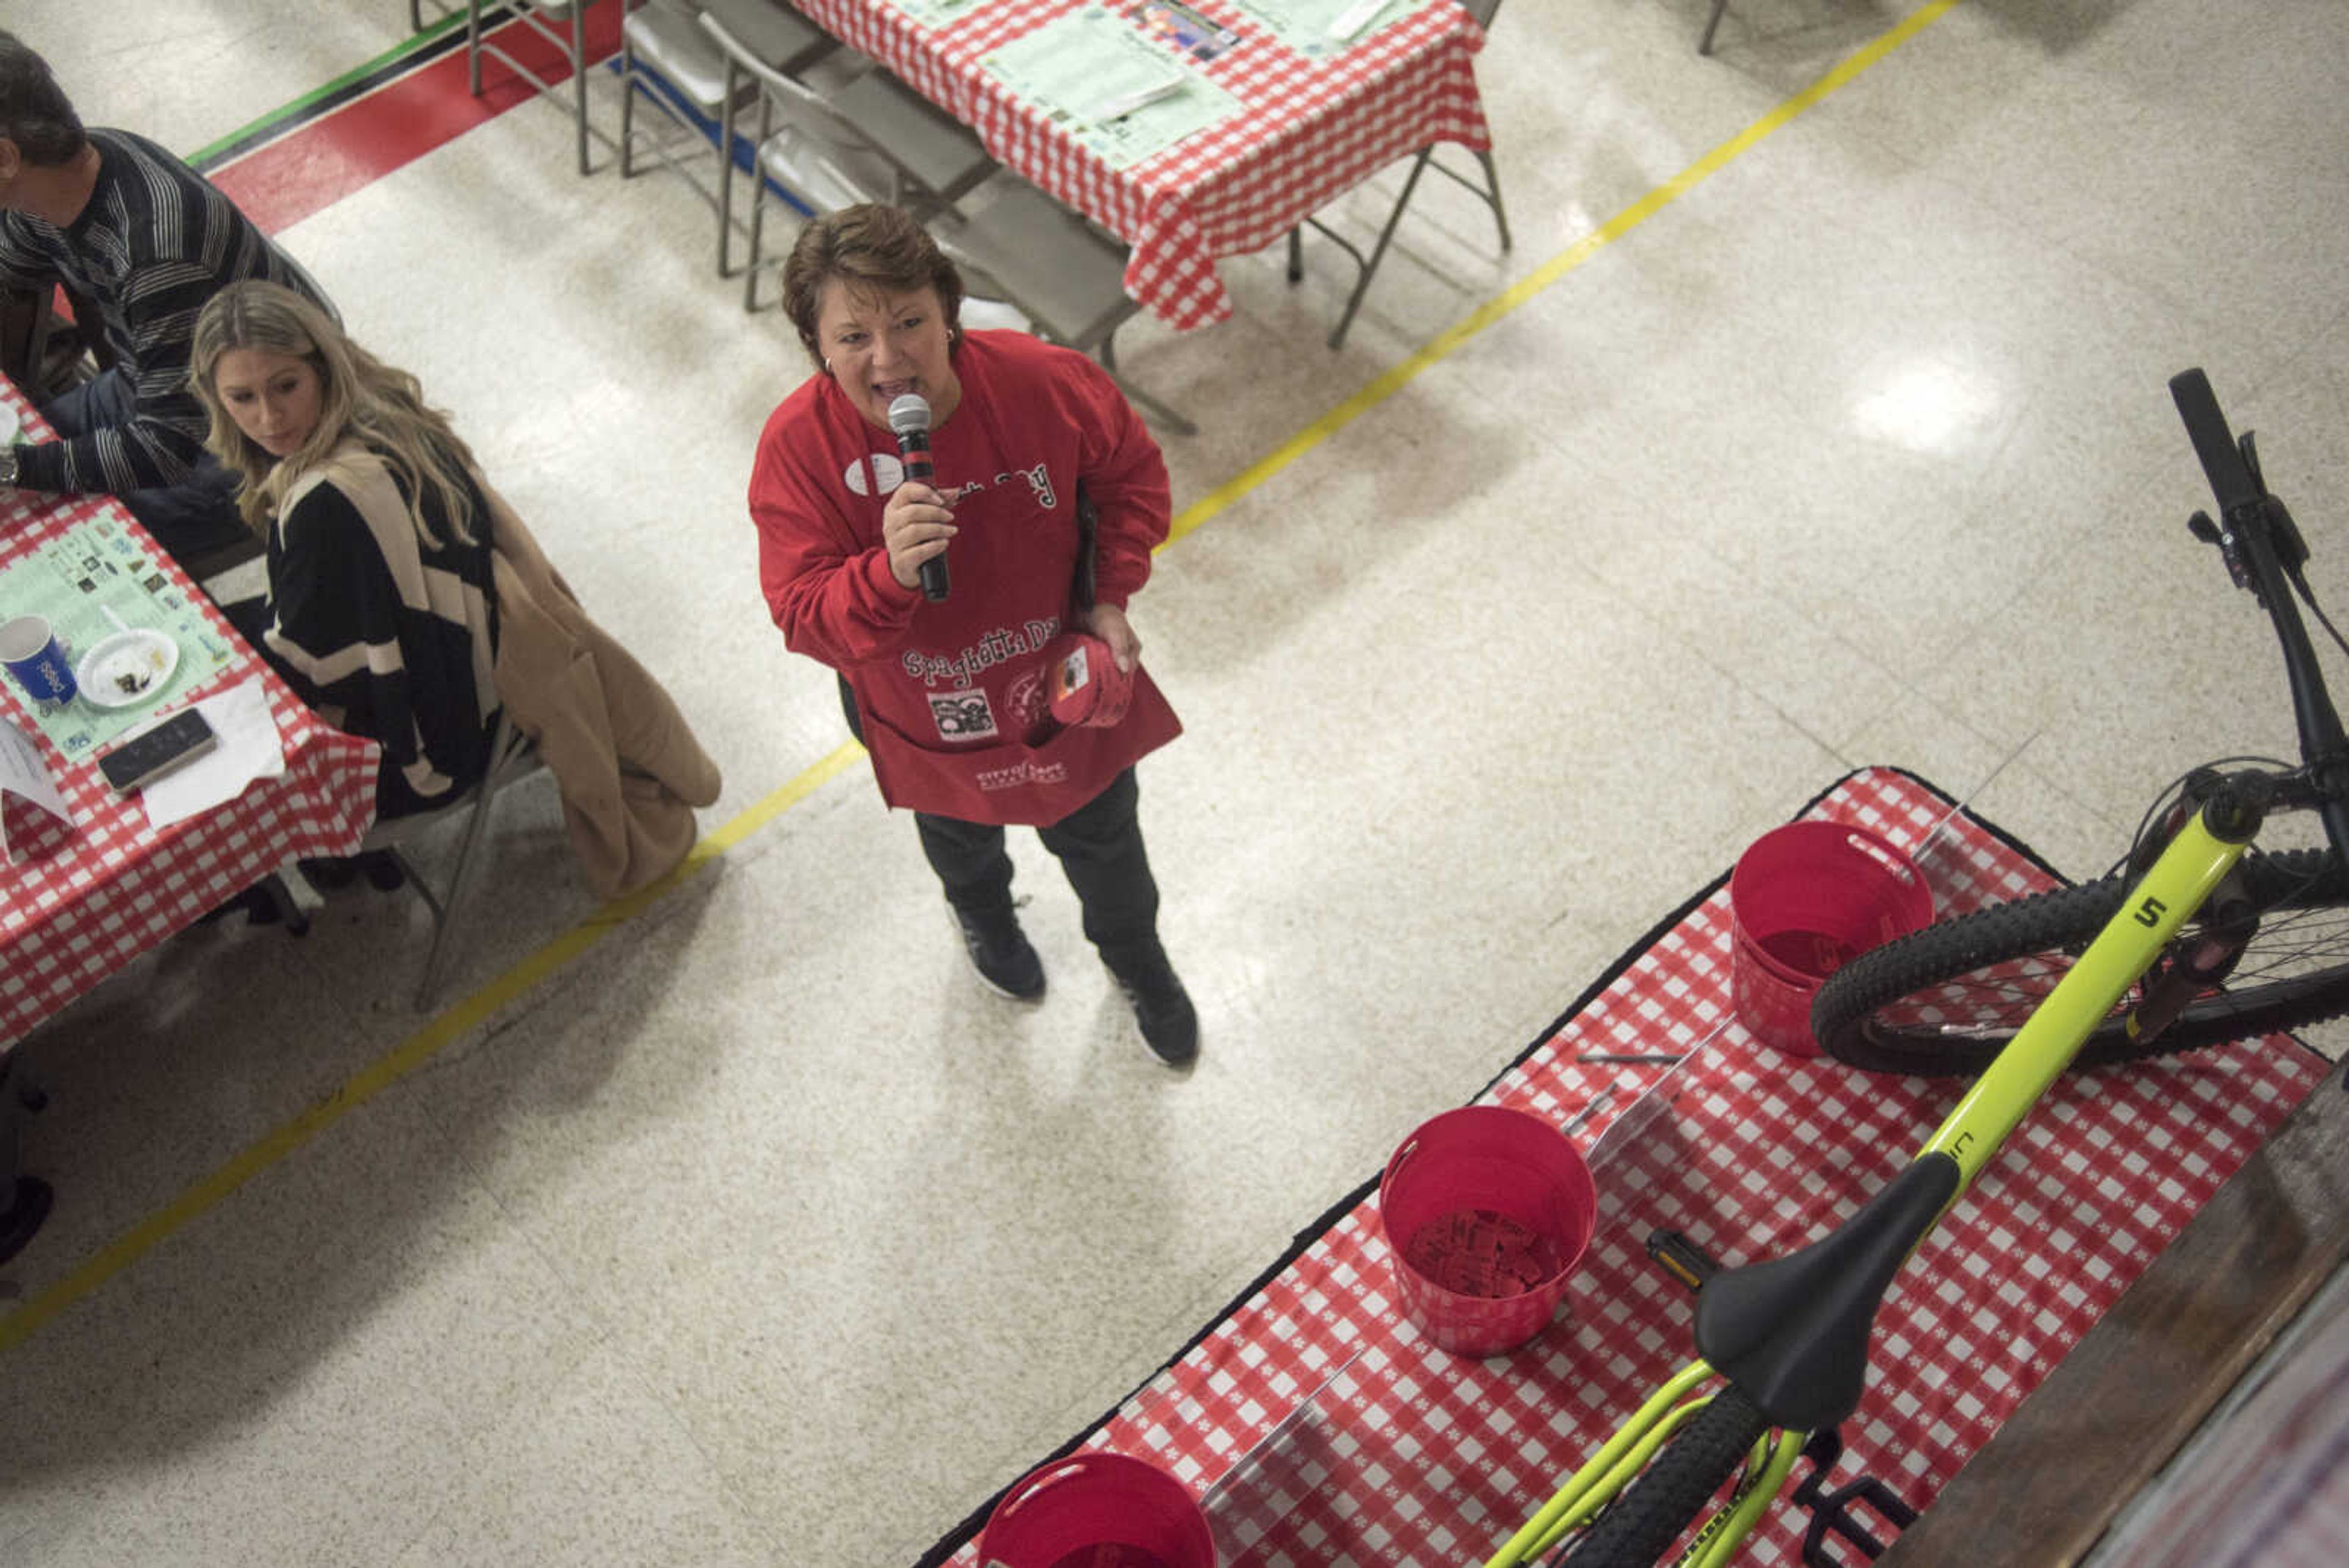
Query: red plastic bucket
x=1487, y=1212
x=1085, y=684
x=1097, y=1509
x=1805, y=900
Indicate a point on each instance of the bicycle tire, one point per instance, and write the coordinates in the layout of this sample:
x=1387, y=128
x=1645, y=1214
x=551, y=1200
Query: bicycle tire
x=1946, y=1000
x=1640, y=1526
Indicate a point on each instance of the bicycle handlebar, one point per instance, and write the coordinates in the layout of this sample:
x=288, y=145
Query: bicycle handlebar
x=2248, y=518
x=2214, y=443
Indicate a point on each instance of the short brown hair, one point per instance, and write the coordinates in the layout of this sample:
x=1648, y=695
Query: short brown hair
x=35, y=113
x=868, y=247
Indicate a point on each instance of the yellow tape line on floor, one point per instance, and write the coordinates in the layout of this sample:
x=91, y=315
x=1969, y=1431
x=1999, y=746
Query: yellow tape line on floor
x=1445, y=342
x=445, y=1029
x=454, y=1023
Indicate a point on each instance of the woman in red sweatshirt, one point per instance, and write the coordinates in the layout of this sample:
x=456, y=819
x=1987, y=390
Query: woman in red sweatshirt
x=952, y=696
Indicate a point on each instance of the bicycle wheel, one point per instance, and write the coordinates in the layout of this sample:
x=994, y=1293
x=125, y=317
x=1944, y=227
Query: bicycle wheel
x=1639, y=1527
x=1946, y=1000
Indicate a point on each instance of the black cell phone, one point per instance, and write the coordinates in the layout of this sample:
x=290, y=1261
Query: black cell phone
x=149, y=755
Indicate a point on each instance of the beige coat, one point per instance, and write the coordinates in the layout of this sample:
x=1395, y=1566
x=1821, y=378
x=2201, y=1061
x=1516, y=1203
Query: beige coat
x=626, y=765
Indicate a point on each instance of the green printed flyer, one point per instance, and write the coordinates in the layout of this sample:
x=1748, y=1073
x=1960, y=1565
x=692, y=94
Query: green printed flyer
x=134, y=637
x=1110, y=85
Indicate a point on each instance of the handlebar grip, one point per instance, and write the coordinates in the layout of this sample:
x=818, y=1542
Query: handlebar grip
x=2222, y=461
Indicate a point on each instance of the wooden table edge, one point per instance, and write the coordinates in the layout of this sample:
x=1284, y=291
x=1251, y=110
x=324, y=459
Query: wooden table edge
x=2051, y=1480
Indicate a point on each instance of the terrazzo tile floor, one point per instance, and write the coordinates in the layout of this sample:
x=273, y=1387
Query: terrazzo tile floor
x=760, y=1233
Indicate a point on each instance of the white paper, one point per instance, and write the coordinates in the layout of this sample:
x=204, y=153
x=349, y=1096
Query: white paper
x=24, y=775
x=247, y=749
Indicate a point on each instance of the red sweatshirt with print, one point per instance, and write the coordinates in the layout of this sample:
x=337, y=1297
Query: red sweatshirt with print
x=952, y=695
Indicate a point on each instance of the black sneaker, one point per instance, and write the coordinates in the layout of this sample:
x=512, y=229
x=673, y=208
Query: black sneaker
x=1170, y=1025
x=330, y=874
x=1000, y=952
x=383, y=870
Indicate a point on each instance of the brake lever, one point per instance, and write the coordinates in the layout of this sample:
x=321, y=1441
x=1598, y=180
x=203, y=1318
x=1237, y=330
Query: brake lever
x=2210, y=533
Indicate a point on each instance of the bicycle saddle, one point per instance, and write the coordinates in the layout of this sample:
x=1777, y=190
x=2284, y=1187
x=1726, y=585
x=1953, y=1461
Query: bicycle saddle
x=1793, y=1332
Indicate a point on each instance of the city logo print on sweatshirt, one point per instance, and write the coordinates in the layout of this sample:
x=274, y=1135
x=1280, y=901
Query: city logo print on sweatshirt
x=962, y=714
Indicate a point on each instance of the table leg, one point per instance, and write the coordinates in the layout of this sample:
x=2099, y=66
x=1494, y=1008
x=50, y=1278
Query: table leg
x=1151, y=407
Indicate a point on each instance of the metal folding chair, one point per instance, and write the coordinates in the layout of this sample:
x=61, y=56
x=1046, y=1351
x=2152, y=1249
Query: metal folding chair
x=1704, y=45
x=1022, y=247
x=541, y=17
x=871, y=138
x=512, y=757
x=679, y=70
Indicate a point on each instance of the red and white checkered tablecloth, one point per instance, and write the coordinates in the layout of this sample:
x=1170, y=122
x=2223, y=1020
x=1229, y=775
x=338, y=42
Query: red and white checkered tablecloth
x=85, y=901
x=1409, y=1457
x=1310, y=129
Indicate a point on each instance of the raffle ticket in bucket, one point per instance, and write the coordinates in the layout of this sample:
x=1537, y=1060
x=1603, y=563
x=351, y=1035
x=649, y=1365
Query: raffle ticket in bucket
x=1402, y=1453
x=1487, y=1211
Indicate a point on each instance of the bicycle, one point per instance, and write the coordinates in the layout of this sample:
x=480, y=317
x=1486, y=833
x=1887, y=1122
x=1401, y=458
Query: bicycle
x=2148, y=961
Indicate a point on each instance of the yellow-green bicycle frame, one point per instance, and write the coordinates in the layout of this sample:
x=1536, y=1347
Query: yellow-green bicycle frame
x=2189, y=868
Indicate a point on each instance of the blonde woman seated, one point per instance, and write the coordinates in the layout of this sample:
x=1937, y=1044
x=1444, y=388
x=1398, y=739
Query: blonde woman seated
x=379, y=610
x=406, y=600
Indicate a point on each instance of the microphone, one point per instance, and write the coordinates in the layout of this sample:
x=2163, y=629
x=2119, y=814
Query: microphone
x=909, y=416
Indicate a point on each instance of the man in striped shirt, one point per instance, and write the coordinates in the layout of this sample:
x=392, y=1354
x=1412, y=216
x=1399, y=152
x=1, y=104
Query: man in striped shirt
x=145, y=239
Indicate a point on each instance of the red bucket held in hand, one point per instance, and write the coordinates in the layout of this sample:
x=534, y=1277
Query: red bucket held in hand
x=1097, y=1509
x=1085, y=684
x=1487, y=1212
x=1805, y=900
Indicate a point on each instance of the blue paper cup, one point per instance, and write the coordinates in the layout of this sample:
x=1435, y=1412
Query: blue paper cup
x=36, y=660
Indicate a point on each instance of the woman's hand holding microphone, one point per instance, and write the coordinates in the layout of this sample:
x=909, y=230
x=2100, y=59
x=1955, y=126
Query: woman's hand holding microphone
x=914, y=528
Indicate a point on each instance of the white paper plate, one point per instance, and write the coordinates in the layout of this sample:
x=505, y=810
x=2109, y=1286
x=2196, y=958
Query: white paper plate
x=128, y=667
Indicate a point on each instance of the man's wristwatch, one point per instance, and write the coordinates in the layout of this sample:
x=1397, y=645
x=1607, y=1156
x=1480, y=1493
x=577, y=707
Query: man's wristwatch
x=7, y=464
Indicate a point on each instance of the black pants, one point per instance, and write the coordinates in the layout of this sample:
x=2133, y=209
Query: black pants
x=1099, y=846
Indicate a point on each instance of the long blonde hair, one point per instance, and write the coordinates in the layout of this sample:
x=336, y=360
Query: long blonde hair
x=359, y=395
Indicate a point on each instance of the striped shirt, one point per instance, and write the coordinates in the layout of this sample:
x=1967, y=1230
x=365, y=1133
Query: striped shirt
x=156, y=242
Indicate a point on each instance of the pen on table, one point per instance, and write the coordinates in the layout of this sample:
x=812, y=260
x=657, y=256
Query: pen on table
x=1590, y=1110
x=1637, y=1058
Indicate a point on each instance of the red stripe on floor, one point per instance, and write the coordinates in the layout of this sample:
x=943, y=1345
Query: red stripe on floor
x=318, y=164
